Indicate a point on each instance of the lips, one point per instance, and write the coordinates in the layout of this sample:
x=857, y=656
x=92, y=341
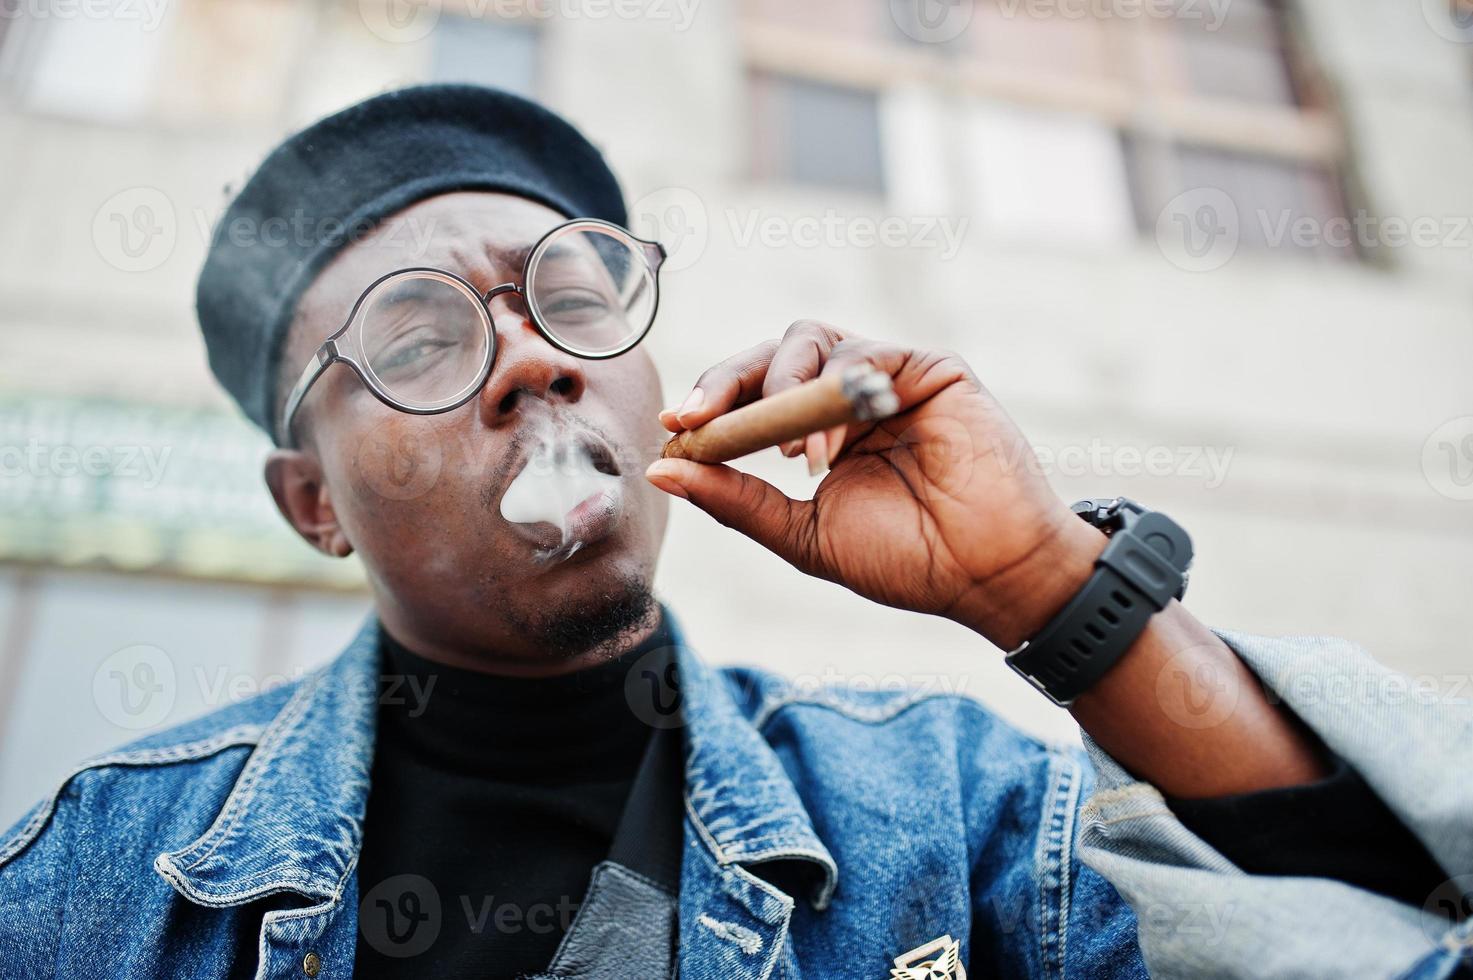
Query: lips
x=564, y=494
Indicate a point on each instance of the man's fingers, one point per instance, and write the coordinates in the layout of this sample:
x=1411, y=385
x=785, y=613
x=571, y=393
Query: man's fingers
x=800, y=356
x=745, y=503
x=916, y=374
x=722, y=387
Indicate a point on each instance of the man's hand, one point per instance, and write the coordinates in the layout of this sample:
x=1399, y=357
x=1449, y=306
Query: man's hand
x=934, y=509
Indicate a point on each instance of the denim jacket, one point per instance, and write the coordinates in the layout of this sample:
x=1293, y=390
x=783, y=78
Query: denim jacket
x=227, y=846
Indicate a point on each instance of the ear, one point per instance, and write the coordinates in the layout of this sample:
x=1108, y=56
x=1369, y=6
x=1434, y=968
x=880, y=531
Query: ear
x=296, y=483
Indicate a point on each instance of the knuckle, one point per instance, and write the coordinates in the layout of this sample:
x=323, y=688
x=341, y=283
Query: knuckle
x=808, y=329
x=714, y=376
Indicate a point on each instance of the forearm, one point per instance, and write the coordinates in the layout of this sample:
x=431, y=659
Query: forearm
x=1179, y=709
x=1182, y=712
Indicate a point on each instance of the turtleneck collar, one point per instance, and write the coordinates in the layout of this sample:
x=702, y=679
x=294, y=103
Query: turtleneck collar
x=568, y=728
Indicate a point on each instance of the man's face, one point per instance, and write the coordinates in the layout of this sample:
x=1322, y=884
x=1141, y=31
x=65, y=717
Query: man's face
x=418, y=497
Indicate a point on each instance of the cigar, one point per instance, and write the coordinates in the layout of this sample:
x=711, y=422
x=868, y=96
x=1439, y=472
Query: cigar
x=860, y=394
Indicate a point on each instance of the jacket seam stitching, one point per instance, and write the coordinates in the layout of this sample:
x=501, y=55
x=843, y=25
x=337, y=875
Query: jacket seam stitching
x=65, y=902
x=185, y=752
x=704, y=834
x=877, y=715
x=1054, y=846
x=239, y=801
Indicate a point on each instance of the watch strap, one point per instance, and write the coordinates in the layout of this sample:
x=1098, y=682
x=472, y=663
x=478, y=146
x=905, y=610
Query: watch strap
x=1142, y=569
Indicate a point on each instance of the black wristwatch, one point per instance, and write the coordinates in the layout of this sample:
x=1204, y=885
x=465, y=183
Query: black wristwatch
x=1143, y=568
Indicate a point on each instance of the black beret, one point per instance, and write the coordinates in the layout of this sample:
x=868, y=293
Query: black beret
x=329, y=184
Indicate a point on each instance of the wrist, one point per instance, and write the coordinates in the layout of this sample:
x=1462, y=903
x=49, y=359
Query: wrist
x=1014, y=605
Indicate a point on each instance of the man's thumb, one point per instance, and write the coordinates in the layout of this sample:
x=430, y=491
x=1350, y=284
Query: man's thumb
x=739, y=500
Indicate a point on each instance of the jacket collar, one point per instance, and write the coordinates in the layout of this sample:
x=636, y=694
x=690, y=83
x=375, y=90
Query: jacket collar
x=742, y=804
x=294, y=821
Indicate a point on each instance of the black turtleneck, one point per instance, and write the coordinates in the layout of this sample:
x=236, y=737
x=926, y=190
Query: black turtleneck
x=491, y=800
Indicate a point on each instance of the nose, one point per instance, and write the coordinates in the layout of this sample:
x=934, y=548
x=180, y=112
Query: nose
x=527, y=366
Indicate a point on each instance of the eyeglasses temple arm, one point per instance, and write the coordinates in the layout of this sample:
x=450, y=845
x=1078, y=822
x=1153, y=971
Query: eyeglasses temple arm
x=326, y=354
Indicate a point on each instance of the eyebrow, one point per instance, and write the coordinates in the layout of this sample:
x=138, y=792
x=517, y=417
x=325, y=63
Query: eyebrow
x=513, y=258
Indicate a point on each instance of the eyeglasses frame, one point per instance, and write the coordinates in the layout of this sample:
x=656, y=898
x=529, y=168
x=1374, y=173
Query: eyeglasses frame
x=332, y=349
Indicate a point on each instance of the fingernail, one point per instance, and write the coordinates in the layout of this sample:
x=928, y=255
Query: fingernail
x=792, y=447
x=836, y=441
x=692, y=401
x=818, y=454
x=660, y=473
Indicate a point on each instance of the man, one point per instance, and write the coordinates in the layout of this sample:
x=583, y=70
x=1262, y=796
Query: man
x=518, y=768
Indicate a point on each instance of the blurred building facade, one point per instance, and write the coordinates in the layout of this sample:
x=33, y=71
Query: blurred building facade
x=1214, y=254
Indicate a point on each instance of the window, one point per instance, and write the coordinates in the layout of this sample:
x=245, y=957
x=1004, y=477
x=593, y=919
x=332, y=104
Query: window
x=1272, y=196
x=1245, y=57
x=502, y=54
x=1071, y=122
x=810, y=132
x=1048, y=176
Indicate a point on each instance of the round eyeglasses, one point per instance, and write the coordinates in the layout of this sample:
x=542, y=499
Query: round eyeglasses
x=423, y=342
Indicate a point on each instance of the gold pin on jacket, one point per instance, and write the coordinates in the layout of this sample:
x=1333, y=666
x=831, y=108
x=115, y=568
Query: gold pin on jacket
x=939, y=959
